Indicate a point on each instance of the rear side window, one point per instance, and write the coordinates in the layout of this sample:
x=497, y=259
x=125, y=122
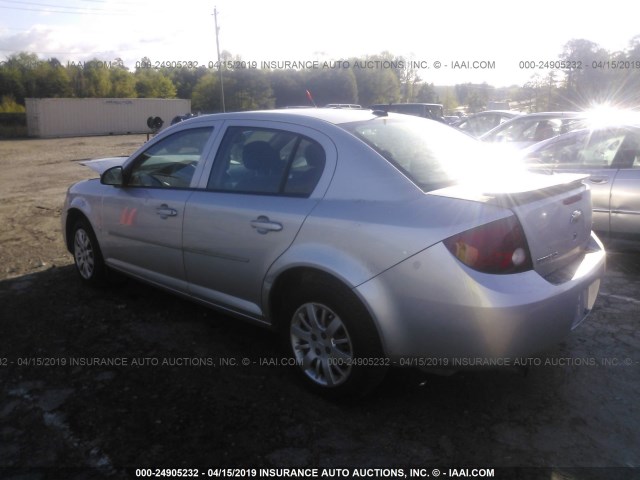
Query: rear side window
x=268, y=162
x=479, y=124
x=613, y=148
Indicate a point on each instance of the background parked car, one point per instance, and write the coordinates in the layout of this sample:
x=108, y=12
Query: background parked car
x=525, y=130
x=479, y=123
x=452, y=119
x=610, y=155
x=343, y=105
x=432, y=111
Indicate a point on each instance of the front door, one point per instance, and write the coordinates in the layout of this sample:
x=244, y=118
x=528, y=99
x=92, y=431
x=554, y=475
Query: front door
x=142, y=220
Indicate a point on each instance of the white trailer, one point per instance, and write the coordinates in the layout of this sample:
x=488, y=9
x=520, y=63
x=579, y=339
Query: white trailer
x=76, y=117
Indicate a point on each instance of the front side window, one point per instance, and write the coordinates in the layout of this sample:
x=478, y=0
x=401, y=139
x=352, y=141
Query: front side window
x=171, y=162
x=267, y=161
x=530, y=130
x=480, y=124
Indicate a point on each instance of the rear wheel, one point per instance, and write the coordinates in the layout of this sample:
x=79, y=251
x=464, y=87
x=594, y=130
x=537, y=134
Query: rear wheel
x=86, y=254
x=333, y=339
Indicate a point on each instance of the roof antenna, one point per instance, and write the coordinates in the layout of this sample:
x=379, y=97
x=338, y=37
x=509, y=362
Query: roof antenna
x=310, y=98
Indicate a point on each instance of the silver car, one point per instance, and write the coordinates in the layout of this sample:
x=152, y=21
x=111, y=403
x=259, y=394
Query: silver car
x=525, y=130
x=480, y=123
x=610, y=156
x=366, y=239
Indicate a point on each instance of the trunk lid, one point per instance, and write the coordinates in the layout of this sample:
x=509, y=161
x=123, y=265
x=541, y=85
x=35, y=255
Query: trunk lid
x=554, y=211
x=100, y=165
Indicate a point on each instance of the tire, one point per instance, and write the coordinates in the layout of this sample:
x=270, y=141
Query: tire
x=333, y=339
x=87, y=255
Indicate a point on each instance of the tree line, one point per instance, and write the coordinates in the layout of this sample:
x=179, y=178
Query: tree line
x=584, y=73
x=23, y=75
x=588, y=74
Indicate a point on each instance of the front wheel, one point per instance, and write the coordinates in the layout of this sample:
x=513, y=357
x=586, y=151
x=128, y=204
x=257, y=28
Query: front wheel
x=333, y=339
x=86, y=254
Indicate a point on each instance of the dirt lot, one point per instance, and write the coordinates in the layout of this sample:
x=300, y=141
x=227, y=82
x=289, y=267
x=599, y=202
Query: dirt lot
x=178, y=401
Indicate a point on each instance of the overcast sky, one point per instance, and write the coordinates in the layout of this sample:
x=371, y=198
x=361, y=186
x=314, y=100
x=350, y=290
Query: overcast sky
x=499, y=32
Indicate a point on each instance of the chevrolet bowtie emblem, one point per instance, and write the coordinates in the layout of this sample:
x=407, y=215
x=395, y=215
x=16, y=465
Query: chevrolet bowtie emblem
x=575, y=216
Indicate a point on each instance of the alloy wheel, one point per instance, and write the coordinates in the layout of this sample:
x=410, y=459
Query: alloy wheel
x=321, y=344
x=83, y=253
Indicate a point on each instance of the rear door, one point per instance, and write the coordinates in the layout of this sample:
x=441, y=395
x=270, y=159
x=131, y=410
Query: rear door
x=590, y=153
x=594, y=155
x=265, y=180
x=625, y=192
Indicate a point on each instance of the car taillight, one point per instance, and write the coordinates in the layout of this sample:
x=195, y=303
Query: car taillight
x=497, y=247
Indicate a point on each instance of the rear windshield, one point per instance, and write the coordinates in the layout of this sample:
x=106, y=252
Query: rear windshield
x=431, y=154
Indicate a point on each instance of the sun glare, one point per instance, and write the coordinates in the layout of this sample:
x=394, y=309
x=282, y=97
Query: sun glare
x=606, y=114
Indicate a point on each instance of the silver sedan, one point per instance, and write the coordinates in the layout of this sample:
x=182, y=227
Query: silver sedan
x=525, y=130
x=480, y=123
x=610, y=156
x=366, y=239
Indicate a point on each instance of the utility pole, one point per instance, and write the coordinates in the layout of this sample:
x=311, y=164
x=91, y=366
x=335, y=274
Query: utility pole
x=215, y=19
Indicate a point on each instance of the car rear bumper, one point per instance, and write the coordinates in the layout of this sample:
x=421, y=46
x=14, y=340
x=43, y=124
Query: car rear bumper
x=432, y=306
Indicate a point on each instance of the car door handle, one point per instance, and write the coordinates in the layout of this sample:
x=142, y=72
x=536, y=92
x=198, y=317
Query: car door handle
x=165, y=211
x=263, y=225
x=599, y=180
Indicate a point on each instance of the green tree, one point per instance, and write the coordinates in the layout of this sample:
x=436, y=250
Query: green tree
x=288, y=88
x=20, y=68
x=475, y=96
x=52, y=80
x=586, y=85
x=206, y=94
x=185, y=79
x=630, y=83
x=8, y=104
x=532, y=92
x=332, y=86
x=424, y=93
x=90, y=79
x=123, y=83
x=376, y=85
x=11, y=83
x=247, y=89
x=153, y=84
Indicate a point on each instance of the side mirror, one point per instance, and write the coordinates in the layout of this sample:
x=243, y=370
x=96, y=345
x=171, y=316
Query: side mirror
x=112, y=176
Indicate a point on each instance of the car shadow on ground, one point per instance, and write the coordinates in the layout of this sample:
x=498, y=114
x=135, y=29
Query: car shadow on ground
x=129, y=376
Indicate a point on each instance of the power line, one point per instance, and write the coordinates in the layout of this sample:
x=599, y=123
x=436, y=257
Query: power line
x=121, y=3
x=68, y=10
x=79, y=52
x=58, y=11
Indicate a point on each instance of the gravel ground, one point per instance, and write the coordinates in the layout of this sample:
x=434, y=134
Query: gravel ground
x=177, y=392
